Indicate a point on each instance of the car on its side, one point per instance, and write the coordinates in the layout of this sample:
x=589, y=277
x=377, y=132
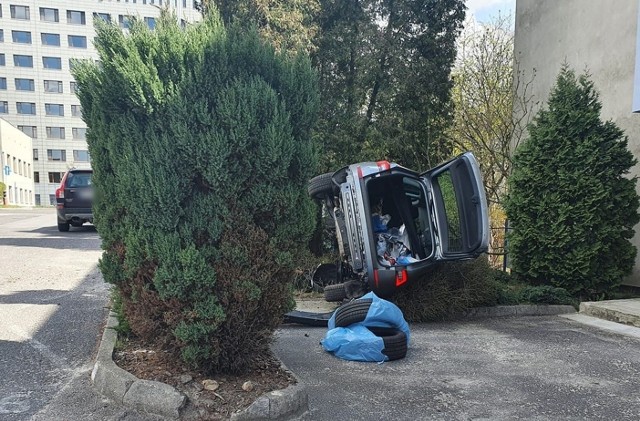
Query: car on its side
x=393, y=223
x=74, y=199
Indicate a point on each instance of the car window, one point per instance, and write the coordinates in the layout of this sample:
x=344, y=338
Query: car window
x=78, y=180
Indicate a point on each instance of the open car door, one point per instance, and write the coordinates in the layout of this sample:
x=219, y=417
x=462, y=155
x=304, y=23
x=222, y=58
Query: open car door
x=459, y=208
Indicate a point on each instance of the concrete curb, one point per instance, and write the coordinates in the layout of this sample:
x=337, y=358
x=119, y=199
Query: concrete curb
x=519, y=310
x=164, y=400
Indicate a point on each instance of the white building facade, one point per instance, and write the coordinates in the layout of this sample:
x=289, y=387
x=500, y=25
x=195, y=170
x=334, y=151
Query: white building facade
x=38, y=39
x=16, y=166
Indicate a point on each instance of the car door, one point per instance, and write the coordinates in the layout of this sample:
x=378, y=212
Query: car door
x=458, y=208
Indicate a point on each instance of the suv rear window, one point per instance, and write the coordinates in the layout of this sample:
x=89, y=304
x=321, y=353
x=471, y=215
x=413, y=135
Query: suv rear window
x=78, y=179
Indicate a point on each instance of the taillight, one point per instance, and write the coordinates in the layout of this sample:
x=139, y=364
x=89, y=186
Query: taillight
x=375, y=277
x=60, y=192
x=383, y=165
x=401, y=277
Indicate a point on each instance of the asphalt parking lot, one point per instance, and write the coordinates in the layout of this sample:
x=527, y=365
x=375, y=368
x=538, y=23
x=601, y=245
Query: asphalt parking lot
x=536, y=367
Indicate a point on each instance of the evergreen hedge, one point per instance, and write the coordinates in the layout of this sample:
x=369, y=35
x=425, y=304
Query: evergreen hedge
x=200, y=145
x=571, y=203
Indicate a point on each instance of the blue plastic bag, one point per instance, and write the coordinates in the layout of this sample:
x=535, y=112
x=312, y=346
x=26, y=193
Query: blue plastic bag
x=354, y=343
x=382, y=313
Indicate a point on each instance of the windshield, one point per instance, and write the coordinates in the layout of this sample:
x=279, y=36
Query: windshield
x=79, y=179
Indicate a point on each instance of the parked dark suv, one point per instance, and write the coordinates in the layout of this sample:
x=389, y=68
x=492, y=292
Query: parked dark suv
x=74, y=199
x=392, y=223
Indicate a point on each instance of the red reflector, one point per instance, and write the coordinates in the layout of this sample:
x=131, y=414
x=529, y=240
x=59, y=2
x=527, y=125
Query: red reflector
x=375, y=277
x=401, y=278
x=383, y=165
x=359, y=172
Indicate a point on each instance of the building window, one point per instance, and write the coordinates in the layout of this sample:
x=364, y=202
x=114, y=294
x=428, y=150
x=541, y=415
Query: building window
x=81, y=156
x=35, y=154
x=52, y=63
x=74, y=88
x=56, y=155
x=38, y=202
x=104, y=16
x=76, y=111
x=21, y=37
x=1, y=35
x=52, y=199
x=49, y=15
x=79, y=133
x=77, y=41
x=36, y=177
x=75, y=17
x=55, y=177
x=22, y=61
x=19, y=166
x=25, y=85
x=32, y=132
x=50, y=39
x=125, y=21
x=19, y=12
x=26, y=108
x=4, y=107
x=3, y=83
x=53, y=86
x=54, y=110
x=55, y=133
x=2, y=62
x=151, y=22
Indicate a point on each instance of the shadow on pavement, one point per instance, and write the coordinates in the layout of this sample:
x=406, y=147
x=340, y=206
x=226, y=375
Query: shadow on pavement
x=43, y=296
x=67, y=241
x=53, y=230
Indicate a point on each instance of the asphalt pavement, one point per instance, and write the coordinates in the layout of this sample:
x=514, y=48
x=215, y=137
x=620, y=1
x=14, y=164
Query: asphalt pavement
x=52, y=309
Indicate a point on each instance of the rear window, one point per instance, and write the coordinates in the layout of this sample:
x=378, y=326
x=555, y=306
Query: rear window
x=78, y=179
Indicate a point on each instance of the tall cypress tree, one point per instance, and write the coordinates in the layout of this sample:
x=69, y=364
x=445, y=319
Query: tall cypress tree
x=571, y=205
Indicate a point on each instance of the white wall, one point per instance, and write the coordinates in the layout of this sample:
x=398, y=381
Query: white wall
x=15, y=153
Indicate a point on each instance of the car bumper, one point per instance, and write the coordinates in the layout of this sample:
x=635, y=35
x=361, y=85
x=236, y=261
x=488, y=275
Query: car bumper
x=79, y=214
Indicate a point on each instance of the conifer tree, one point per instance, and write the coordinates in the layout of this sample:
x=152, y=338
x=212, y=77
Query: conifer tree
x=571, y=203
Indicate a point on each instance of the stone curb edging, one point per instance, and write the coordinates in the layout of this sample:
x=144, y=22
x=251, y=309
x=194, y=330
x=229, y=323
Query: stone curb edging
x=164, y=400
x=518, y=310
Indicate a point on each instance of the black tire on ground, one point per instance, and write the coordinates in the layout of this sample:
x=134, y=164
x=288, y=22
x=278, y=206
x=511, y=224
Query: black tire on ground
x=334, y=292
x=352, y=312
x=395, y=341
x=64, y=227
x=320, y=185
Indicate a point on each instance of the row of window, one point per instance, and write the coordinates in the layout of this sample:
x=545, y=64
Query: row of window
x=77, y=133
x=18, y=166
x=24, y=37
x=23, y=197
x=61, y=156
x=29, y=108
x=50, y=86
x=50, y=63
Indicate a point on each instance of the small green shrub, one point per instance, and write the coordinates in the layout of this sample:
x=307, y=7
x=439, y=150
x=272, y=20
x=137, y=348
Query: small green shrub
x=123, y=327
x=546, y=294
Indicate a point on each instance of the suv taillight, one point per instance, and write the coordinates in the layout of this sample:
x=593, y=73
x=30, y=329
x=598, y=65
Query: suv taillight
x=60, y=192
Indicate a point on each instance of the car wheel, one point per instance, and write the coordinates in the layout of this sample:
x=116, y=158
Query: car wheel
x=395, y=341
x=320, y=186
x=353, y=312
x=64, y=227
x=334, y=292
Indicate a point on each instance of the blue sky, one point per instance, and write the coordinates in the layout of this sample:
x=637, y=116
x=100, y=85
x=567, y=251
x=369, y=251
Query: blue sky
x=483, y=10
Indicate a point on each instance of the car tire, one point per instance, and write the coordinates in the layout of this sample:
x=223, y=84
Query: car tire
x=334, y=293
x=64, y=227
x=395, y=341
x=320, y=186
x=353, y=312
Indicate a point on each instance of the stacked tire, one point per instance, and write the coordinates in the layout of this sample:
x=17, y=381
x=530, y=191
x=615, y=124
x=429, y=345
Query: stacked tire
x=355, y=313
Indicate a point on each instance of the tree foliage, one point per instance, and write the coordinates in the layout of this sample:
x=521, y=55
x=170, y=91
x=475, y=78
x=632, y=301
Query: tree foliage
x=571, y=204
x=200, y=143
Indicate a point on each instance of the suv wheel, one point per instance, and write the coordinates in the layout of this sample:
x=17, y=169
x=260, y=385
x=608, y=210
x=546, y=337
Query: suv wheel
x=320, y=186
x=64, y=227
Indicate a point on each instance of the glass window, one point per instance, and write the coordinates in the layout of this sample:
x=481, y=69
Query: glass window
x=25, y=85
x=81, y=156
x=49, y=15
x=31, y=131
x=151, y=22
x=2, y=63
x=50, y=39
x=75, y=17
x=74, y=88
x=1, y=35
x=19, y=12
x=36, y=175
x=38, y=202
x=77, y=41
x=52, y=63
x=53, y=86
x=21, y=37
x=79, y=133
x=125, y=21
x=55, y=133
x=52, y=199
x=26, y=108
x=104, y=16
x=3, y=83
x=54, y=109
x=55, y=177
x=56, y=155
x=35, y=154
x=22, y=61
x=4, y=107
x=76, y=111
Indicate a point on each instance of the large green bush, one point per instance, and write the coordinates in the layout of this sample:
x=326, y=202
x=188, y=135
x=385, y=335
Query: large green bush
x=571, y=205
x=199, y=139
